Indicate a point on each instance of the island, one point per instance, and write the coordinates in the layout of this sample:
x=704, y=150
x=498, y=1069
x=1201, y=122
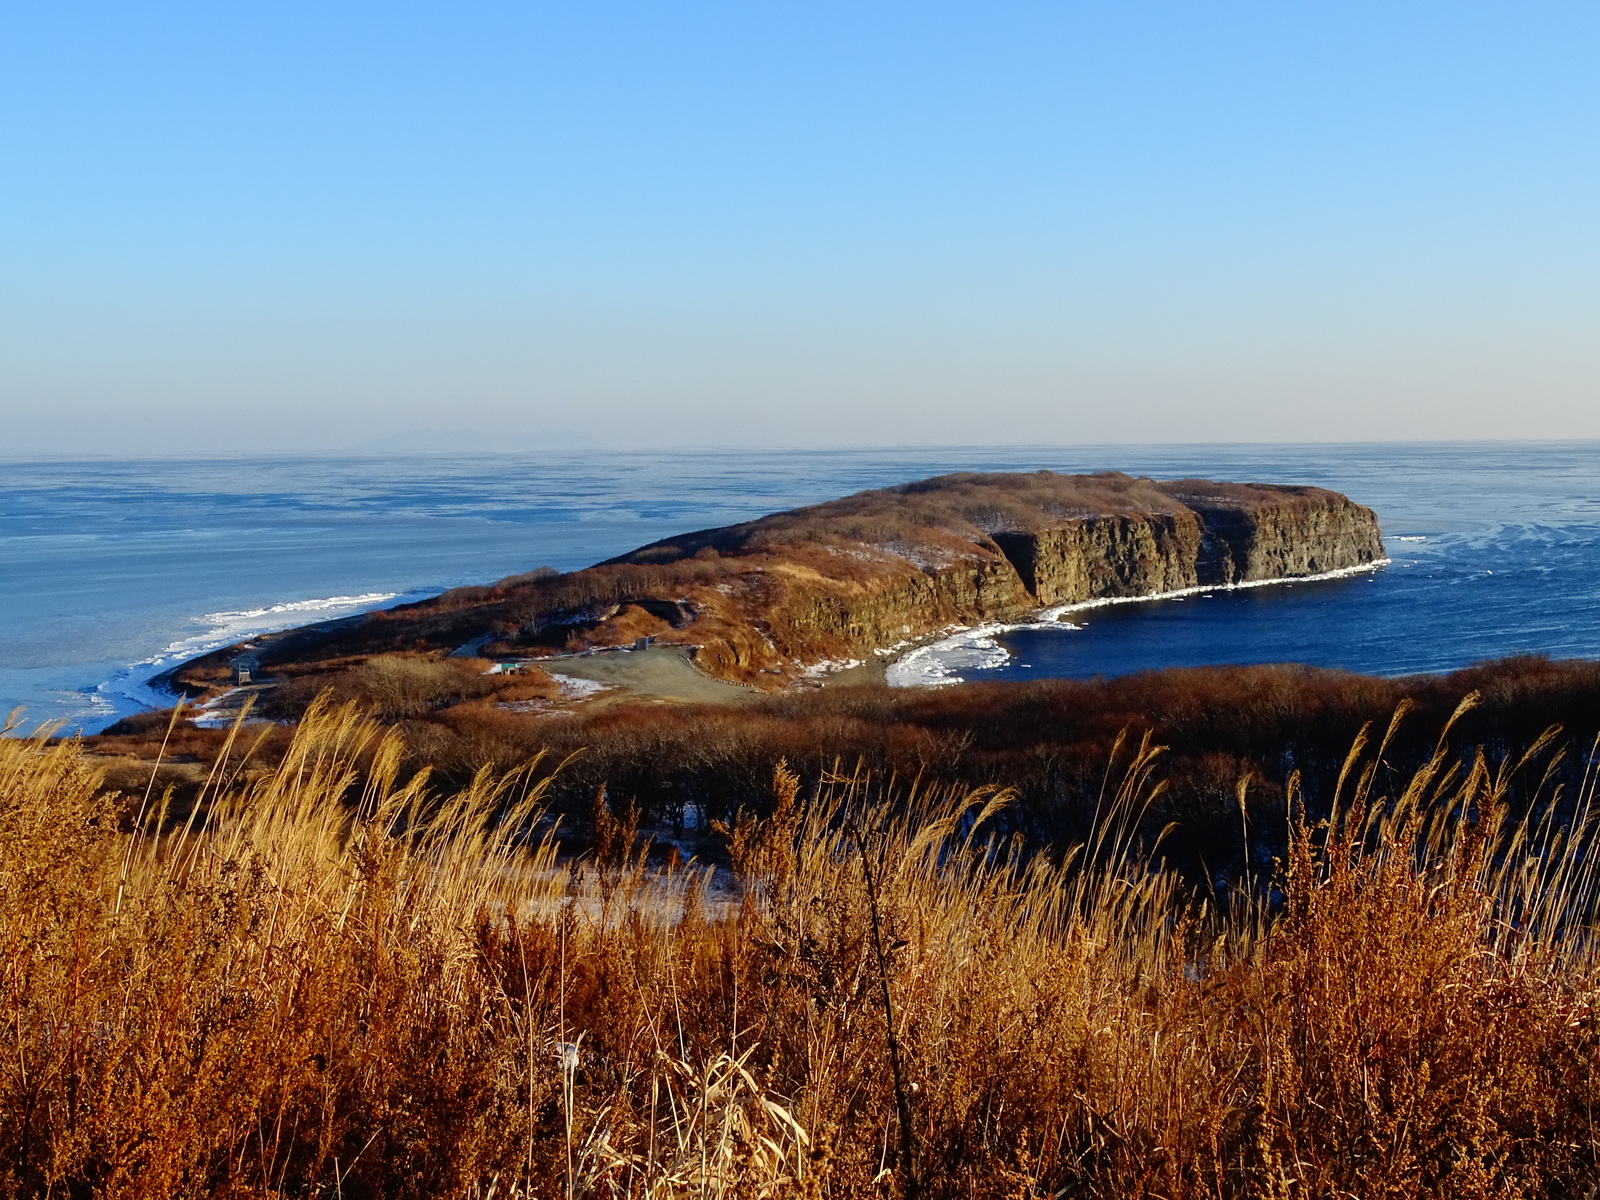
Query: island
x=779, y=602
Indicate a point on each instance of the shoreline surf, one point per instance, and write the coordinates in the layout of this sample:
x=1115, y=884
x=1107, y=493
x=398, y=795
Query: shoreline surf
x=134, y=688
x=975, y=648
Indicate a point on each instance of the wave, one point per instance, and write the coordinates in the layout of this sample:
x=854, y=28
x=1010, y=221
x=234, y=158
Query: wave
x=939, y=663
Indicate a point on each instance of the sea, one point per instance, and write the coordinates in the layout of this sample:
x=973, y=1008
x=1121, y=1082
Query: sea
x=113, y=571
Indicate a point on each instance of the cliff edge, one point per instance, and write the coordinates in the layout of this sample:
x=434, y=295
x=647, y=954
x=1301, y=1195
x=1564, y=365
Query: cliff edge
x=771, y=601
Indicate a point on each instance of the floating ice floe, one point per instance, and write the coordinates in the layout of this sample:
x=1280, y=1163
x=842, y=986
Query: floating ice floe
x=943, y=662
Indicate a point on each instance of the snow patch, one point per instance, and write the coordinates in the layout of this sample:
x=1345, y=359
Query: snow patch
x=210, y=714
x=539, y=708
x=573, y=688
x=923, y=558
x=828, y=666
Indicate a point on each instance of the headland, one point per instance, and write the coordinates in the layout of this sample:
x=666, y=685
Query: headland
x=784, y=601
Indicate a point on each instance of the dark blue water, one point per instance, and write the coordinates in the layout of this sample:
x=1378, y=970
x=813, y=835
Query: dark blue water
x=112, y=570
x=1495, y=551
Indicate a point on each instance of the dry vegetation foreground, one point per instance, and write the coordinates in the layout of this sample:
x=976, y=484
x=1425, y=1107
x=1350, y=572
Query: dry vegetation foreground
x=327, y=981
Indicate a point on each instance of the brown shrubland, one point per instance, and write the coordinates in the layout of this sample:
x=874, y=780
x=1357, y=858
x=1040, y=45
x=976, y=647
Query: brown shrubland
x=332, y=977
x=1047, y=741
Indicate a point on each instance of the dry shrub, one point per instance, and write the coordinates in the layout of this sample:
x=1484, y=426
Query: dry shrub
x=1425, y=996
x=329, y=982
x=392, y=687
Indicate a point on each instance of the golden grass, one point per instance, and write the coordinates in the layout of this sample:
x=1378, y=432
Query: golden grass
x=327, y=983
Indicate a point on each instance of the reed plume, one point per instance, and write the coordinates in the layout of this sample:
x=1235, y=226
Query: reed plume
x=329, y=978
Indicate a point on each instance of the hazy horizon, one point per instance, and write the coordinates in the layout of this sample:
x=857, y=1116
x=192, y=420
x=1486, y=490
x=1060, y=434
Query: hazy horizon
x=533, y=446
x=311, y=230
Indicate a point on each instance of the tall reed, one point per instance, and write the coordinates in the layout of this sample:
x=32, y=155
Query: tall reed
x=324, y=980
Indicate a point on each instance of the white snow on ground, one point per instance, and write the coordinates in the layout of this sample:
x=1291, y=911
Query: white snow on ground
x=943, y=662
x=472, y=647
x=828, y=666
x=885, y=651
x=573, y=688
x=922, y=557
x=862, y=555
x=537, y=707
x=207, y=715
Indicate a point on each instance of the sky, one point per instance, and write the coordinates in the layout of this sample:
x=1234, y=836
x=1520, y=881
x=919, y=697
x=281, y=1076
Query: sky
x=243, y=228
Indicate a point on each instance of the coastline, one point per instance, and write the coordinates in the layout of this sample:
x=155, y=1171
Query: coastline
x=941, y=660
x=811, y=560
x=139, y=687
x=1449, y=513
x=937, y=662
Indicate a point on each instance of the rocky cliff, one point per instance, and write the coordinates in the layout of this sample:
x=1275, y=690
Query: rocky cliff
x=769, y=601
x=1222, y=534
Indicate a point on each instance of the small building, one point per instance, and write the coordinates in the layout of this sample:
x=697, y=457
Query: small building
x=642, y=643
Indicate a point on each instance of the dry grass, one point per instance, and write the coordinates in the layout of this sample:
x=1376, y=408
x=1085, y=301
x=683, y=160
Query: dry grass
x=329, y=983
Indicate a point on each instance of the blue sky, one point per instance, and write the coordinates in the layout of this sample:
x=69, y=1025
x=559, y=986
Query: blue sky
x=314, y=226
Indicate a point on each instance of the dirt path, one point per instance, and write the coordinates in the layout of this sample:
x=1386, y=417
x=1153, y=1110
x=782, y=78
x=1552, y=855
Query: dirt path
x=663, y=671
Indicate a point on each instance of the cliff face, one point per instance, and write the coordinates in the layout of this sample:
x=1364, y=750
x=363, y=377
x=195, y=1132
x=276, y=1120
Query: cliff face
x=1317, y=533
x=1098, y=557
x=764, y=601
x=1215, y=540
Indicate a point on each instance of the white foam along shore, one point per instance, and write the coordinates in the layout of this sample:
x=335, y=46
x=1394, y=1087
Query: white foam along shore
x=131, y=689
x=963, y=649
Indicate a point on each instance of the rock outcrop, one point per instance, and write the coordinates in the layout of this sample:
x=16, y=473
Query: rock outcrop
x=1223, y=534
x=1096, y=557
x=770, y=601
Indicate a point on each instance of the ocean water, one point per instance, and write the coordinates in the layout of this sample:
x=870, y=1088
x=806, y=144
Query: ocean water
x=115, y=570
